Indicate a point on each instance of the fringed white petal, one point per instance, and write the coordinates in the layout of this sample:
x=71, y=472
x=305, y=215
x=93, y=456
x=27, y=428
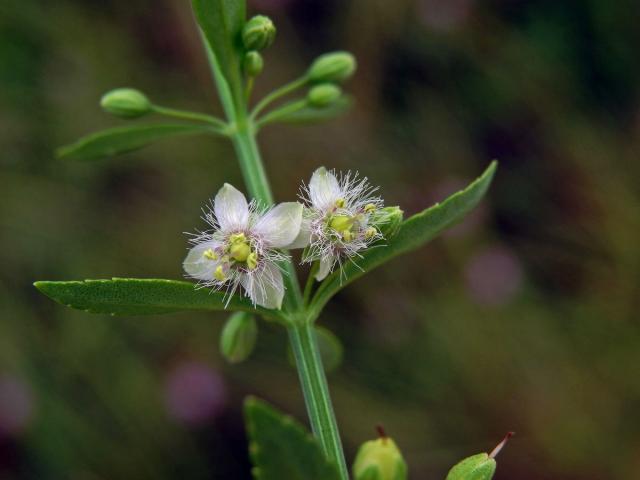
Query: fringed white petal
x=324, y=269
x=231, y=208
x=280, y=225
x=324, y=189
x=265, y=288
x=196, y=265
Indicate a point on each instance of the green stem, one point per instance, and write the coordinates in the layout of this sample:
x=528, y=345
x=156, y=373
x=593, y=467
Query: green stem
x=275, y=115
x=279, y=92
x=316, y=393
x=308, y=288
x=185, y=115
x=301, y=331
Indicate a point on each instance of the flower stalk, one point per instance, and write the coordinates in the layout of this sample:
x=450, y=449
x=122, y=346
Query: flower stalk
x=300, y=326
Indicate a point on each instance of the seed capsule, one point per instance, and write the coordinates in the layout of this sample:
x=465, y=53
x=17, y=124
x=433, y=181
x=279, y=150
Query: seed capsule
x=126, y=103
x=477, y=467
x=379, y=459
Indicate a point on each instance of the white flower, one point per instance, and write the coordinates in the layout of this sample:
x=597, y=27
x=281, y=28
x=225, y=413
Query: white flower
x=242, y=247
x=338, y=219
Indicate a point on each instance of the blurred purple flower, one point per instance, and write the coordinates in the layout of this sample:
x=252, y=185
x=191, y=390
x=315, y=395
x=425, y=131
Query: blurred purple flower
x=16, y=405
x=493, y=276
x=194, y=393
x=445, y=15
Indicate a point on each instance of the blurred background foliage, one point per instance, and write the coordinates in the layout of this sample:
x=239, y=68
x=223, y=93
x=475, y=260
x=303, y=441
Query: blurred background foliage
x=522, y=318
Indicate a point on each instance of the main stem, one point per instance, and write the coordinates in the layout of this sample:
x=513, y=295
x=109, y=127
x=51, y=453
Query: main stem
x=301, y=331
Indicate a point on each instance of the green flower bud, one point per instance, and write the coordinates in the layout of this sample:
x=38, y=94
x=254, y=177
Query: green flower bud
x=238, y=337
x=253, y=63
x=477, y=467
x=126, y=103
x=332, y=67
x=323, y=95
x=258, y=33
x=379, y=459
x=387, y=220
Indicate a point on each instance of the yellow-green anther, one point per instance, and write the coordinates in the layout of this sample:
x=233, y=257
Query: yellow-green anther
x=240, y=251
x=252, y=261
x=347, y=235
x=340, y=203
x=370, y=232
x=237, y=238
x=219, y=274
x=341, y=222
x=369, y=207
x=209, y=254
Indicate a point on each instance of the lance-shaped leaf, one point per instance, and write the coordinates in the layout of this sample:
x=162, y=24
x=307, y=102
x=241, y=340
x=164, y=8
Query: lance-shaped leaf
x=281, y=448
x=125, y=139
x=133, y=296
x=413, y=233
x=312, y=114
x=221, y=22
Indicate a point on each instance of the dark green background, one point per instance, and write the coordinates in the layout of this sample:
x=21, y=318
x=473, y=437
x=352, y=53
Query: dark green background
x=523, y=319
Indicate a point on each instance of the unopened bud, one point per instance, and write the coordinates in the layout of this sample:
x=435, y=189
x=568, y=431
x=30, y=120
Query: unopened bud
x=253, y=63
x=332, y=67
x=477, y=467
x=323, y=95
x=379, y=459
x=258, y=33
x=126, y=103
x=238, y=337
x=387, y=220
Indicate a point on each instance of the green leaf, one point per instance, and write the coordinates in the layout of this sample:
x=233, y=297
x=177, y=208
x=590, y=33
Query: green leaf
x=281, y=448
x=221, y=22
x=133, y=296
x=124, y=139
x=413, y=233
x=311, y=114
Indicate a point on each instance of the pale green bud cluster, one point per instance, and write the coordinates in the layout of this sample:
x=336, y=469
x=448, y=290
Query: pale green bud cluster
x=388, y=220
x=323, y=95
x=126, y=103
x=238, y=337
x=253, y=63
x=379, y=459
x=332, y=67
x=258, y=33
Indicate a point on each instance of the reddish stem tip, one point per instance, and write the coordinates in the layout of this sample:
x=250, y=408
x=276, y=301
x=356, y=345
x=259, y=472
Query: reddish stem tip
x=504, y=441
x=381, y=432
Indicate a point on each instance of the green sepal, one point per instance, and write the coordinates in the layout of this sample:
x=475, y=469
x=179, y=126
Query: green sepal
x=413, y=233
x=114, y=141
x=222, y=22
x=281, y=448
x=476, y=467
x=238, y=337
x=133, y=296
